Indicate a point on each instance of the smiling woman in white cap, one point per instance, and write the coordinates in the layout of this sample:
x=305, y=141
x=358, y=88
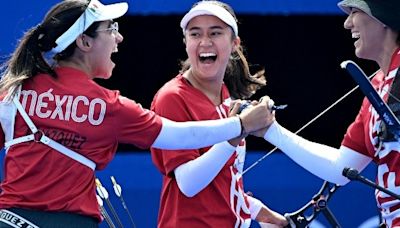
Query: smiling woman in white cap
x=375, y=26
x=203, y=187
x=58, y=125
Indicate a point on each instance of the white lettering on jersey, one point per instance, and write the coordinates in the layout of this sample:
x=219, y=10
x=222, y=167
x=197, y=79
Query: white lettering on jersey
x=92, y=106
x=387, y=179
x=75, y=105
x=67, y=107
x=389, y=182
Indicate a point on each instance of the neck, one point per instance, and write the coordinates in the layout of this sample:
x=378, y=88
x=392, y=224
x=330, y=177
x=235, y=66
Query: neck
x=211, y=88
x=77, y=64
x=385, y=58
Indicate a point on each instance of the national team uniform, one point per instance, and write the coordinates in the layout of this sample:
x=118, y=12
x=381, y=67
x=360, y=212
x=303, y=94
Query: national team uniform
x=81, y=115
x=223, y=202
x=362, y=136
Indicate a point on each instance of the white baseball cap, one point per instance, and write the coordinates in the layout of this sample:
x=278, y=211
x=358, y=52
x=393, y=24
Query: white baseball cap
x=209, y=8
x=95, y=11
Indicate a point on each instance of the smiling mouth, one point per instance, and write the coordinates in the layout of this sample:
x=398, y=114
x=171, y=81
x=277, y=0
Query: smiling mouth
x=207, y=57
x=355, y=35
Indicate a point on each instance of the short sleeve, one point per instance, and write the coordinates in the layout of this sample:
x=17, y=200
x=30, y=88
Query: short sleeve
x=136, y=125
x=355, y=135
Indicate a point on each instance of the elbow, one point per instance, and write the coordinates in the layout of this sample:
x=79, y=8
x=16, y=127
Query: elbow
x=189, y=194
x=185, y=186
x=187, y=191
x=334, y=175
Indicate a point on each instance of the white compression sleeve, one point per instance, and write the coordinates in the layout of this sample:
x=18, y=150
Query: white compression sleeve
x=323, y=161
x=196, y=134
x=195, y=175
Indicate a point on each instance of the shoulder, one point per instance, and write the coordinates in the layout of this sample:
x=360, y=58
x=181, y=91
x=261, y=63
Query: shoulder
x=177, y=89
x=378, y=79
x=174, y=86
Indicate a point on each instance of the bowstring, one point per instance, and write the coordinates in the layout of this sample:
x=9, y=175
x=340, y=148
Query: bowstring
x=309, y=123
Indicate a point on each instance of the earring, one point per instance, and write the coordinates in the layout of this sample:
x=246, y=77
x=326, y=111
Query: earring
x=84, y=41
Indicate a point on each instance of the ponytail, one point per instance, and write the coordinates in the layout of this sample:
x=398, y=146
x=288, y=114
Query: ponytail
x=26, y=61
x=28, y=58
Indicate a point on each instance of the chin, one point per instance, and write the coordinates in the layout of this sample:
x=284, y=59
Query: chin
x=363, y=55
x=107, y=76
x=104, y=76
x=359, y=54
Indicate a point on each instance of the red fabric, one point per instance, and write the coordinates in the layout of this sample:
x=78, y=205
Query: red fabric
x=362, y=136
x=211, y=207
x=92, y=121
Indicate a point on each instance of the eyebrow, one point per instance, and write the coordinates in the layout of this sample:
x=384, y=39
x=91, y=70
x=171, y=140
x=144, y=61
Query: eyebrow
x=212, y=27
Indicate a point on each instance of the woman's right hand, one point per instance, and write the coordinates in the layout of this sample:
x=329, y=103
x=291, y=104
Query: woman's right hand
x=258, y=116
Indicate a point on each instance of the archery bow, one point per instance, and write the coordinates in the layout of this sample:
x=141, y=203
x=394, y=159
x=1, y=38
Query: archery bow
x=391, y=121
x=319, y=201
x=318, y=204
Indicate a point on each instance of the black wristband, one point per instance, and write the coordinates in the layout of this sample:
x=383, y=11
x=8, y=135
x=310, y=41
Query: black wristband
x=242, y=129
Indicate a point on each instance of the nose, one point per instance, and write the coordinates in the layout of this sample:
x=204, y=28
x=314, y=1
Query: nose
x=348, y=23
x=119, y=38
x=206, y=41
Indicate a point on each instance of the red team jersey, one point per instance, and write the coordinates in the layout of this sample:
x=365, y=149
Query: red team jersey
x=222, y=203
x=83, y=116
x=362, y=136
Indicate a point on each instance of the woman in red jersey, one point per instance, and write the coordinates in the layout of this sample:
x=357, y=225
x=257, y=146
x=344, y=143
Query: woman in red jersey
x=204, y=187
x=375, y=26
x=58, y=125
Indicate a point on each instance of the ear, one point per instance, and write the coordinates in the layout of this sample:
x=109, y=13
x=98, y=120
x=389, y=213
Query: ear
x=236, y=43
x=184, y=43
x=83, y=42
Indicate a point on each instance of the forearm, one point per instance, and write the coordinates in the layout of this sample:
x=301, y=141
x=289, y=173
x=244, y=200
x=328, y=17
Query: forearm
x=255, y=206
x=323, y=161
x=262, y=214
x=195, y=175
x=196, y=134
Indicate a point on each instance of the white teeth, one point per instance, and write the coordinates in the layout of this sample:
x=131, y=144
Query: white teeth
x=207, y=54
x=355, y=35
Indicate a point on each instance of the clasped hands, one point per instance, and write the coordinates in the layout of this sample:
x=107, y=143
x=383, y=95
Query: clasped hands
x=256, y=117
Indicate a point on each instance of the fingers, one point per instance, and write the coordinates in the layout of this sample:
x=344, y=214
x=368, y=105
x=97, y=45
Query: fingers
x=234, y=108
x=269, y=102
x=256, y=117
